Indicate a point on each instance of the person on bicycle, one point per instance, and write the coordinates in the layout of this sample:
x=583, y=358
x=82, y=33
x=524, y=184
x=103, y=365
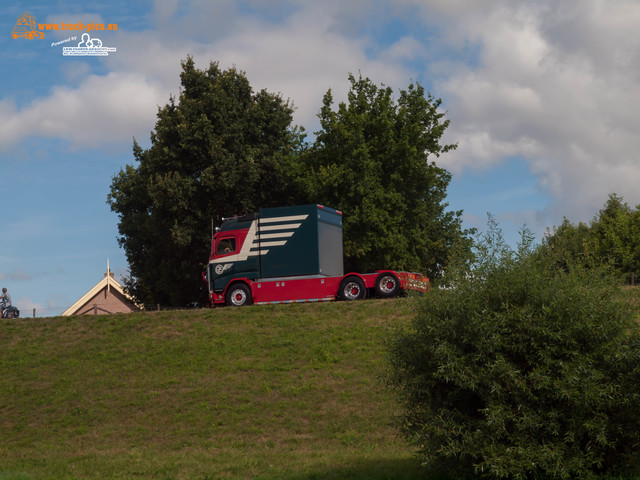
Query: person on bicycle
x=5, y=301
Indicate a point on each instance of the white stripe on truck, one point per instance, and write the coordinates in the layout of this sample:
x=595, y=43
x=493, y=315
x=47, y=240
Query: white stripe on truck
x=276, y=235
x=252, y=247
x=279, y=227
x=290, y=218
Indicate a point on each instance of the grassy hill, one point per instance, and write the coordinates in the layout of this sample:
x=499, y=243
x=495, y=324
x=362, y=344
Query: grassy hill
x=270, y=392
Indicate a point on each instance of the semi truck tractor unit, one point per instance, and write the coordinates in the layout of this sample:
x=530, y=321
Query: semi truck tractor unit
x=291, y=254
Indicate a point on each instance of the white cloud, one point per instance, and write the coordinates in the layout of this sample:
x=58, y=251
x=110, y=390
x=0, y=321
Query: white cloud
x=304, y=56
x=103, y=109
x=556, y=84
x=16, y=275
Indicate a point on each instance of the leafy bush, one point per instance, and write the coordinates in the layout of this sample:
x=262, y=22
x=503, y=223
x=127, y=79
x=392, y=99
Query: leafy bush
x=521, y=369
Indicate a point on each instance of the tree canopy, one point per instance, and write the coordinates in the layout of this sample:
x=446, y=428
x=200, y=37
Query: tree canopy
x=373, y=158
x=218, y=151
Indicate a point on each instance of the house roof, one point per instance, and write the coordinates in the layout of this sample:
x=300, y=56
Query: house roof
x=107, y=282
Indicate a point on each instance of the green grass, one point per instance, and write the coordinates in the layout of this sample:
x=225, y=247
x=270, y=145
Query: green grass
x=271, y=392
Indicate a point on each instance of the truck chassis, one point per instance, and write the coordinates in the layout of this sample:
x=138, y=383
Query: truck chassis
x=318, y=288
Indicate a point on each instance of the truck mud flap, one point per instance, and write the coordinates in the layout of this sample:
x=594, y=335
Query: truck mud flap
x=414, y=281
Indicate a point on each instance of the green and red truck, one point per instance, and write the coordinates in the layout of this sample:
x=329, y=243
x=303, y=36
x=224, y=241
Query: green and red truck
x=291, y=254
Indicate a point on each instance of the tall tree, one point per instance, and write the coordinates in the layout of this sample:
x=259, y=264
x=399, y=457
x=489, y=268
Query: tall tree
x=373, y=158
x=220, y=149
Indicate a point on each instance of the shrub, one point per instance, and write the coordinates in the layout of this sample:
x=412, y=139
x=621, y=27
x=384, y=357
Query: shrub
x=521, y=369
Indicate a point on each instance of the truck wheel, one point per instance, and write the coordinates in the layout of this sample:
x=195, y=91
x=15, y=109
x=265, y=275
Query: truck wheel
x=352, y=288
x=238, y=295
x=387, y=285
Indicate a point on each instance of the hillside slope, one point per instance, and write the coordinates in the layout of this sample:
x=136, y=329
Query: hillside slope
x=287, y=392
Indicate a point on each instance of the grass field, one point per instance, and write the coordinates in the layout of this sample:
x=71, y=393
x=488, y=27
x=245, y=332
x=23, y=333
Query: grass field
x=271, y=392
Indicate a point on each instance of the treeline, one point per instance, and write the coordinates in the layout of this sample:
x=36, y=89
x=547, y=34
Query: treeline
x=221, y=148
x=612, y=237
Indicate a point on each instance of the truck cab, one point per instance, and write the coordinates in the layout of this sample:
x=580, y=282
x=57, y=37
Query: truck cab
x=228, y=260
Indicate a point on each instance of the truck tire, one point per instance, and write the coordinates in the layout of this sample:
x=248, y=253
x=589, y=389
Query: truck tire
x=238, y=295
x=352, y=288
x=387, y=285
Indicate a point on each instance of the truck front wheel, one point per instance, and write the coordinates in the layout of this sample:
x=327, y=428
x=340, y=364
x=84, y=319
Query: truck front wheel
x=352, y=288
x=238, y=295
x=387, y=285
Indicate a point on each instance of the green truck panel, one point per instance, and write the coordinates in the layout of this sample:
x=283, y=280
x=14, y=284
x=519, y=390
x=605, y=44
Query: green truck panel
x=311, y=236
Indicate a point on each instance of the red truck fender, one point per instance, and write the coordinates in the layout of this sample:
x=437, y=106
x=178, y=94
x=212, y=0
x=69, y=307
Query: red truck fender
x=238, y=293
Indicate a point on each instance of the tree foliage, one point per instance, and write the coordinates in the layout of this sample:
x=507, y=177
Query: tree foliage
x=373, y=158
x=613, y=237
x=220, y=149
x=522, y=370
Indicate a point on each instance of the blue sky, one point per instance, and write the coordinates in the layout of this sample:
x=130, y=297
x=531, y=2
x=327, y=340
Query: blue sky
x=542, y=96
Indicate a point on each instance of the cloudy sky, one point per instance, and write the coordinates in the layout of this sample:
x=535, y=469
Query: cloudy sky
x=542, y=97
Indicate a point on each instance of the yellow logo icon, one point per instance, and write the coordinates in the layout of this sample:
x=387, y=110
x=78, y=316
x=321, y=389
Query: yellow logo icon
x=26, y=27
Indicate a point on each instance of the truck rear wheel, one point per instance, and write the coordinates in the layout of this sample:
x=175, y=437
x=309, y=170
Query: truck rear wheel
x=387, y=285
x=238, y=295
x=352, y=288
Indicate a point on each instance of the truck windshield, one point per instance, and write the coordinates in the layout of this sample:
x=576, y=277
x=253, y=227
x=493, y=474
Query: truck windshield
x=226, y=246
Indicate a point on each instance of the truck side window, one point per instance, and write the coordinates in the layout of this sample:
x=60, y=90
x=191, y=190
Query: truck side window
x=225, y=246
